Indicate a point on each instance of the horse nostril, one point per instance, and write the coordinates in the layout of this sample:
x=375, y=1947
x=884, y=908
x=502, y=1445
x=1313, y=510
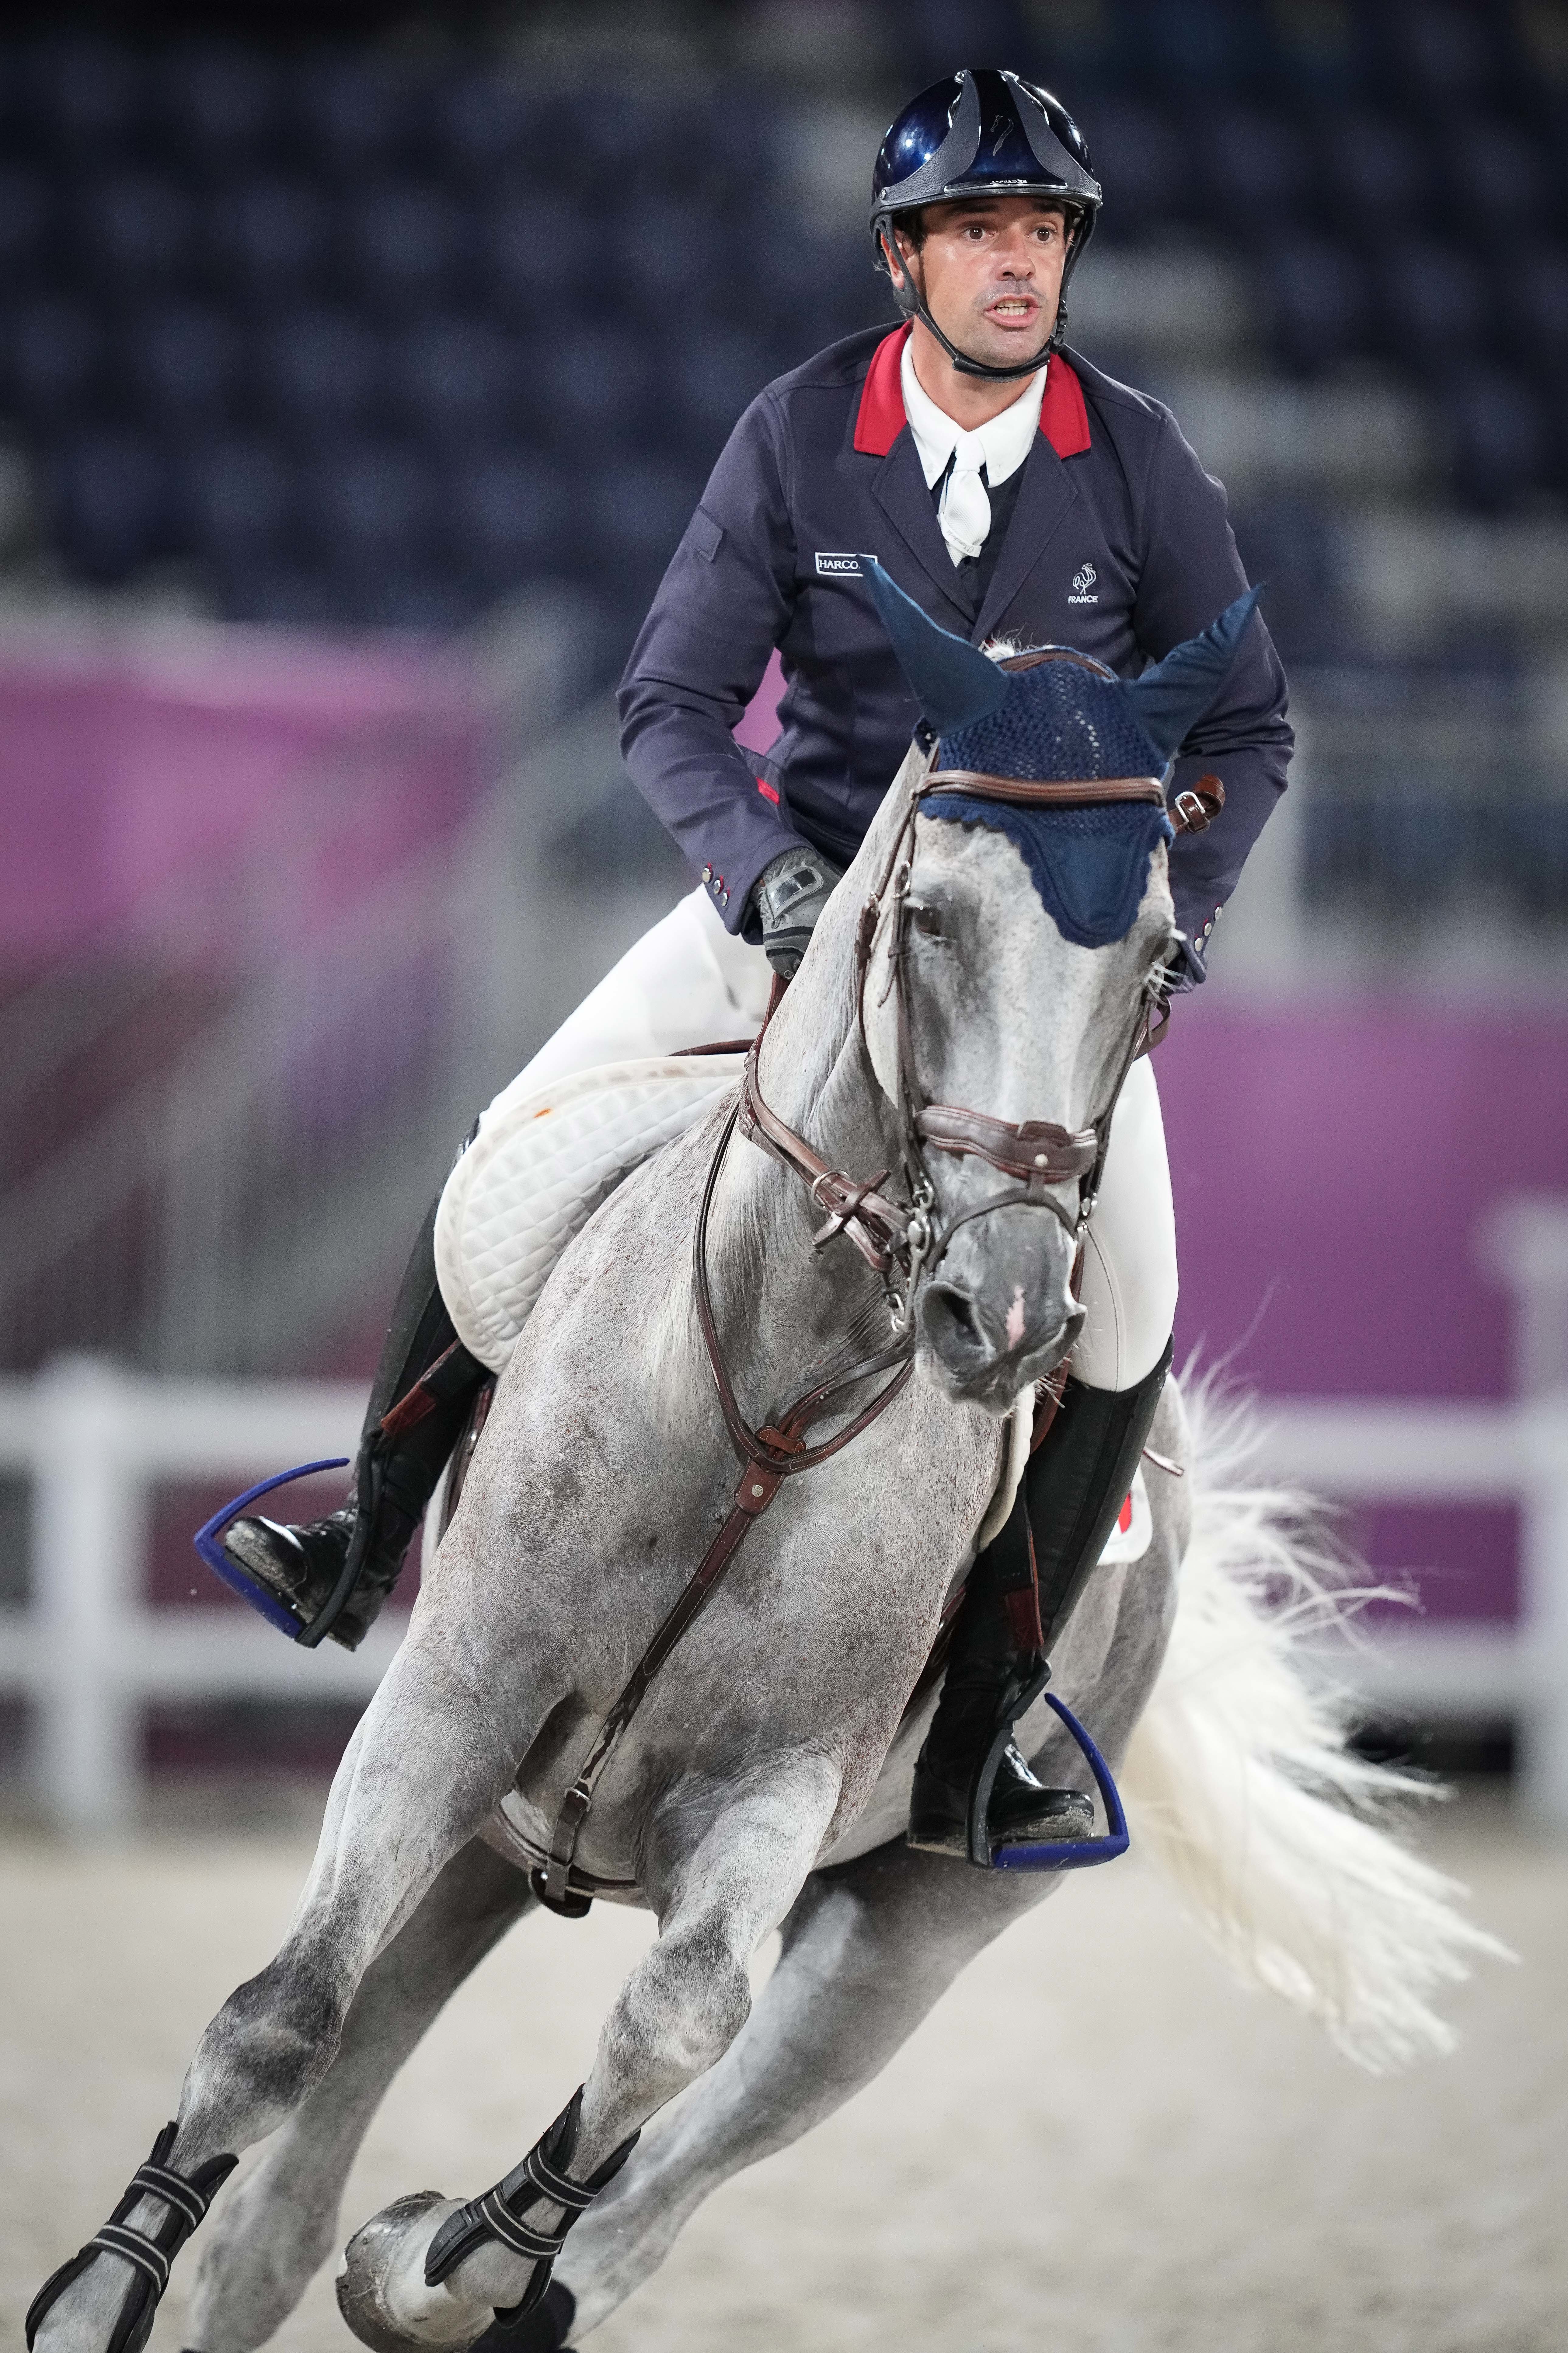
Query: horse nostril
x=952, y=1324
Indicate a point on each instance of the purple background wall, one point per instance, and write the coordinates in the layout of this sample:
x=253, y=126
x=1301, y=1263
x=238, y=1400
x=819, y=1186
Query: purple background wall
x=140, y=774
x=1346, y=1154
x=1332, y=1164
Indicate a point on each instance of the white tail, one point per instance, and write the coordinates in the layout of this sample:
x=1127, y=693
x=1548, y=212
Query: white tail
x=1279, y=1838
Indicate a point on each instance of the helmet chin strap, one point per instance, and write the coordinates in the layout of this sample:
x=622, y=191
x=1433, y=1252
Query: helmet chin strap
x=915, y=306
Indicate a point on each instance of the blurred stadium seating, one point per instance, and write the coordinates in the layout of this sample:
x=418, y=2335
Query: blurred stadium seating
x=262, y=304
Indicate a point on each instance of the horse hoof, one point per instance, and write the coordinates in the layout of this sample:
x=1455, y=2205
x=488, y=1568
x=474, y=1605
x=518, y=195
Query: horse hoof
x=377, y=2249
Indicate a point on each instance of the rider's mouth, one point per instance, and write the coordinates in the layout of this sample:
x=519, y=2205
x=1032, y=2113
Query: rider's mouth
x=1013, y=312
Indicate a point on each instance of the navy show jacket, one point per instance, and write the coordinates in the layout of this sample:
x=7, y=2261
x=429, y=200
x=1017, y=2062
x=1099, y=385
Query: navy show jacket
x=1117, y=545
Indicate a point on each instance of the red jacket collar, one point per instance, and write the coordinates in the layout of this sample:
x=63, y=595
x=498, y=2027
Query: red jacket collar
x=1064, y=420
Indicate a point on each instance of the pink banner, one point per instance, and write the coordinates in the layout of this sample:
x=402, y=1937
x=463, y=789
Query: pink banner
x=144, y=772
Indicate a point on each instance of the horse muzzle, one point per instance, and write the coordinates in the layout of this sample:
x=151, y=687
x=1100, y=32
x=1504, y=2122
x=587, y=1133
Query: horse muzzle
x=996, y=1311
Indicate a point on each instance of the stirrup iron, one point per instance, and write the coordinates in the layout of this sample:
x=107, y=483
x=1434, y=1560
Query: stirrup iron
x=209, y=1542
x=1045, y=1854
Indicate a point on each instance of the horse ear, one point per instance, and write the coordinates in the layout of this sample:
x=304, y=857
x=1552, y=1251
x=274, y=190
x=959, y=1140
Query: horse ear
x=954, y=682
x=1174, y=695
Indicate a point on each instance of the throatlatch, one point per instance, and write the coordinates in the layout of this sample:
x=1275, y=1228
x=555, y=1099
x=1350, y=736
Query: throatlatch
x=498, y=2216
x=186, y=2197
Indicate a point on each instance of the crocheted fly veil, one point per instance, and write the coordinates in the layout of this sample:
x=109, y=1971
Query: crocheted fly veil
x=1058, y=720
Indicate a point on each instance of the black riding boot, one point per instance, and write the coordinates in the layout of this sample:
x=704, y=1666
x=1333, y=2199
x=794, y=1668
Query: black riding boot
x=423, y=1386
x=1015, y=1610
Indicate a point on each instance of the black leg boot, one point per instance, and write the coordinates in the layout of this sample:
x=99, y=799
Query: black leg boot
x=1022, y=1591
x=425, y=1384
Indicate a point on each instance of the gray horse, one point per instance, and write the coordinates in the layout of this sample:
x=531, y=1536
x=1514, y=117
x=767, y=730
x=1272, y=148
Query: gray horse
x=766, y=1779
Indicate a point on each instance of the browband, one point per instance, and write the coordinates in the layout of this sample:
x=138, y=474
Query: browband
x=1034, y=789
x=1193, y=810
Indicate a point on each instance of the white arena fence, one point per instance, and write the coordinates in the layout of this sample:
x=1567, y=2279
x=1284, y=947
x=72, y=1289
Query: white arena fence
x=89, y=1654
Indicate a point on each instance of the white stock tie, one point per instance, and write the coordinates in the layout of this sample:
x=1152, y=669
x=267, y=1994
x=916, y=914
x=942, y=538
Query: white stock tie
x=964, y=514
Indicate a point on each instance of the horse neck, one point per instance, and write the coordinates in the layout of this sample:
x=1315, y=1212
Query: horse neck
x=785, y=1310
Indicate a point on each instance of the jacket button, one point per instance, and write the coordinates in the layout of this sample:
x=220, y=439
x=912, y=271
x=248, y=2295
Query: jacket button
x=708, y=874
x=723, y=898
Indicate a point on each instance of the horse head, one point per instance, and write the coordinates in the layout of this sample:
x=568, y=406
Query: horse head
x=1025, y=918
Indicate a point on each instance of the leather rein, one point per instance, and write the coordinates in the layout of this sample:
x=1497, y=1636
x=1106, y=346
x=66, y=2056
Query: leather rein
x=897, y=1240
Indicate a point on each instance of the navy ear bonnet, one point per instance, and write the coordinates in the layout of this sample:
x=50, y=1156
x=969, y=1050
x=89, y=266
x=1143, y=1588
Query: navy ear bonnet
x=1089, y=865
x=1058, y=719
x=1062, y=720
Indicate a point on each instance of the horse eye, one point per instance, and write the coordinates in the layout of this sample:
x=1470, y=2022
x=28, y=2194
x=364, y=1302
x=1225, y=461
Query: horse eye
x=926, y=920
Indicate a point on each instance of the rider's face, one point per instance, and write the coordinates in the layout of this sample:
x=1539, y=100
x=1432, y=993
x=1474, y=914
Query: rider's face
x=991, y=270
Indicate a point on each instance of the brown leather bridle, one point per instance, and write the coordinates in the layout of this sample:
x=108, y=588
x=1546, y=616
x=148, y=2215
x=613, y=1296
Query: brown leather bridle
x=899, y=1238
x=896, y=1239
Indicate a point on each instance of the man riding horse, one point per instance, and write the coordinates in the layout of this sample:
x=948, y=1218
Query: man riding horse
x=1013, y=492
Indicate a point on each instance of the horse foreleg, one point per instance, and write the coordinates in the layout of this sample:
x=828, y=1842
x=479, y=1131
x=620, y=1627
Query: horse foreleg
x=867, y=1951
x=281, y=2223
x=432, y=1755
x=679, y=2012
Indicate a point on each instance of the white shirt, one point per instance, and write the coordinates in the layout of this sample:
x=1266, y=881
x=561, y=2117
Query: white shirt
x=1000, y=446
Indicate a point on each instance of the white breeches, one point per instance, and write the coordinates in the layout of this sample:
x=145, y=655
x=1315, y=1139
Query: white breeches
x=689, y=983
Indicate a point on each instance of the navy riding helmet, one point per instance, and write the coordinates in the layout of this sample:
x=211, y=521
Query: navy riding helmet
x=982, y=133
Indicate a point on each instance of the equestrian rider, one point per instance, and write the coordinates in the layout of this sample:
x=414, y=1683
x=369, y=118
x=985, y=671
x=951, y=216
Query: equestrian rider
x=1013, y=491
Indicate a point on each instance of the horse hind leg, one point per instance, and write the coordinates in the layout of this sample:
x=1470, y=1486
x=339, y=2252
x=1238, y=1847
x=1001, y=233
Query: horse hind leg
x=676, y=2015
x=427, y=1763
x=281, y=2225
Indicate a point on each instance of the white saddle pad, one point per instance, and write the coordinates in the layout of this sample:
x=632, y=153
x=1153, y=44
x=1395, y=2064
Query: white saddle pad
x=533, y=1178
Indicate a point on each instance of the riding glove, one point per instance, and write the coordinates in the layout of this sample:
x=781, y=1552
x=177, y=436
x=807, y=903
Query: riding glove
x=789, y=895
x=1186, y=969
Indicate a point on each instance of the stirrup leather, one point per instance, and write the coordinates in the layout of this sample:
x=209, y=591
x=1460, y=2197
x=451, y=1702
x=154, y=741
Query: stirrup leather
x=149, y=2254
x=498, y=2215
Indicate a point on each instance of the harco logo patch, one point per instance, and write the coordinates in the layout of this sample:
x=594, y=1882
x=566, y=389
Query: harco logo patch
x=838, y=567
x=1083, y=580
